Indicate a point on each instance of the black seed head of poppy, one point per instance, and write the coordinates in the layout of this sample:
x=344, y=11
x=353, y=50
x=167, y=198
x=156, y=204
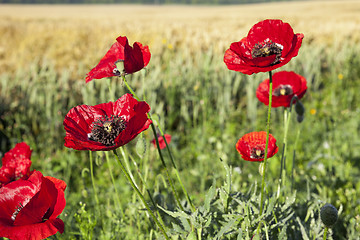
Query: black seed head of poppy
x=266, y=49
x=257, y=153
x=106, y=129
x=283, y=90
x=328, y=215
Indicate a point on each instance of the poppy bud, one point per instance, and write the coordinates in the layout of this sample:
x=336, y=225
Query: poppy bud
x=328, y=215
x=299, y=108
x=300, y=118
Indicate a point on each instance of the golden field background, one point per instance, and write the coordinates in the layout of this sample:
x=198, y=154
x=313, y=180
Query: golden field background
x=75, y=36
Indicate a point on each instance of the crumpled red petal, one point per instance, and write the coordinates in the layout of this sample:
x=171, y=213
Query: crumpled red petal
x=78, y=121
x=39, y=200
x=238, y=56
x=255, y=140
x=296, y=81
x=16, y=163
x=135, y=58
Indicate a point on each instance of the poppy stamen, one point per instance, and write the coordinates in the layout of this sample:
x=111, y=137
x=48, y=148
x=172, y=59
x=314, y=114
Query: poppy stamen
x=17, y=210
x=267, y=48
x=257, y=153
x=106, y=129
x=283, y=90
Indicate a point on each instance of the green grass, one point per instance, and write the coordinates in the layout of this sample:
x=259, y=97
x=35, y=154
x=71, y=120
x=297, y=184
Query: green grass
x=206, y=108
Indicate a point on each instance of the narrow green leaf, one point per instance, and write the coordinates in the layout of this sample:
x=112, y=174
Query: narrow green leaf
x=209, y=196
x=303, y=232
x=226, y=228
x=282, y=234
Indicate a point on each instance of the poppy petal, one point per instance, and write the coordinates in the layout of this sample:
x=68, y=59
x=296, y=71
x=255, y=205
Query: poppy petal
x=34, y=231
x=133, y=112
x=107, y=64
x=252, y=142
x=135, y=58
x=269, y=44
x=291, y=81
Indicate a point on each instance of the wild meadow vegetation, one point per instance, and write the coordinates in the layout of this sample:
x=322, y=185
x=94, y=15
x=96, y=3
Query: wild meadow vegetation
x=46, y=51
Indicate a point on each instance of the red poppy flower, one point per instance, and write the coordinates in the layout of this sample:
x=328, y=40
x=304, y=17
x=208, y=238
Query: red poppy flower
x=286, y=85
x=251, y=146
x=269, y=44
x=15, y=163
x=135, y=58
x=162, y=143
x=105, y=126
x=29, y=207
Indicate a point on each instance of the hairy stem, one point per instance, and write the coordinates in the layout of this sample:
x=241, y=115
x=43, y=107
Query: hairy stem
x=266, y=145
x=140, y=195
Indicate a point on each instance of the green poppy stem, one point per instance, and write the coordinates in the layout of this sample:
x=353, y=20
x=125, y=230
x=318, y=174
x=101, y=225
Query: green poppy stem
x=287, y=117
x=166, y=170
x=130, y=89
x=92, y=177
x=266, y=145
x=140, y=195
x=293, y=161
x=177, y=172
x=325, y=233
x=143, y=182
x=162, y=158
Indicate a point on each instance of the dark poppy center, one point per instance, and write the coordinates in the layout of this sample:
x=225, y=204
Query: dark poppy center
x=116, y=72
x=257, y=153
x=283, y=90
x=105, y=129
x=267, y=48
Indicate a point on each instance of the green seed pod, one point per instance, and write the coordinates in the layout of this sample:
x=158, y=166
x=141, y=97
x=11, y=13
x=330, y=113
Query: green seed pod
x=328, y=215
x=299, y=108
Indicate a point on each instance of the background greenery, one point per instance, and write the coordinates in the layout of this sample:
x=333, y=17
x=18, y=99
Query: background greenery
x=204, y=106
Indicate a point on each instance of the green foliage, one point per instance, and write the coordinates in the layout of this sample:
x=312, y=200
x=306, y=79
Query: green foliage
x=86, y=222
x=206, y=108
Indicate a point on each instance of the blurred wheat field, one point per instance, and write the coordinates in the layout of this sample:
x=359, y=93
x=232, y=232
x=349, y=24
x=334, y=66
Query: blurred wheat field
x=70, y=36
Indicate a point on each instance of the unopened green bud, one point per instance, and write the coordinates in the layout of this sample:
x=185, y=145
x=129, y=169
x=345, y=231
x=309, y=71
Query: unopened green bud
x=328, y=215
